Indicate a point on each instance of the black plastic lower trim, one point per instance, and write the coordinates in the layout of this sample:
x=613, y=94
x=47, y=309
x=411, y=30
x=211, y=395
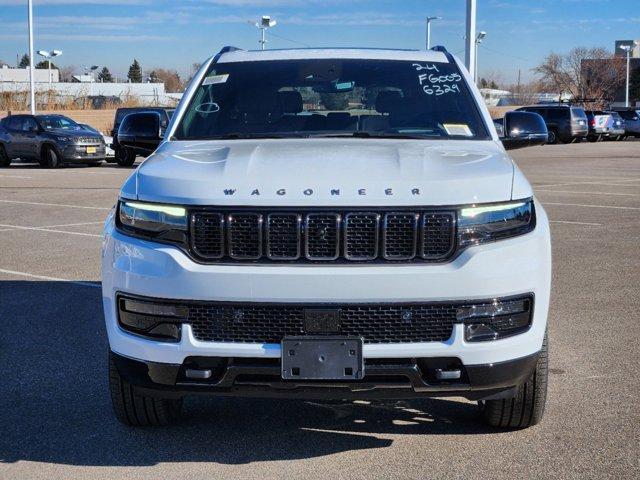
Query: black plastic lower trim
x=384, y=378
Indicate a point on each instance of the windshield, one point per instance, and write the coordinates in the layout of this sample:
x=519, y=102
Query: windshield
x=54, y=122
x=336, y=97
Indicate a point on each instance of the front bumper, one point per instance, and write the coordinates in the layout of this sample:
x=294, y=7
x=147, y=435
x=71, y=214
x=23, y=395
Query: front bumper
x=78, y=153
x=389, y=378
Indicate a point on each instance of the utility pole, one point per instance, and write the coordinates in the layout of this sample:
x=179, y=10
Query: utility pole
x=32, y=83
x=470, y=39
x=627, y=49
x=429, y=20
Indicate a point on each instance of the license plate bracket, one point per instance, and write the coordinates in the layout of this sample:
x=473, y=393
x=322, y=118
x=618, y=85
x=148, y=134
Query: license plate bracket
x=322, y=358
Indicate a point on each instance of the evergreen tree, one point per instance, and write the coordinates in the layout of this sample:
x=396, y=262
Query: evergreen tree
x=105, y=75
x=135, y=72
x=24, y=61
x=44, y=65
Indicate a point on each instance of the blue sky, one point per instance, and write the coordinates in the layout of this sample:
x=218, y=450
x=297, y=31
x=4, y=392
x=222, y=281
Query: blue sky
x=175, y=34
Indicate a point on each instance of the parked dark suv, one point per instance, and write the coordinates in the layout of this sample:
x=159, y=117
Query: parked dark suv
x=51, y=140
x=565, y=123
x=631, y=117
x=124, y=156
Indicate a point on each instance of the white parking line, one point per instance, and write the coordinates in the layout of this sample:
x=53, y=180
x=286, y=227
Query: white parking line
x=576, y=223
x=55, y=205
x=591, y=193
x=49, y=230
x=13, y=176
x=53, y=279
x=591, y=206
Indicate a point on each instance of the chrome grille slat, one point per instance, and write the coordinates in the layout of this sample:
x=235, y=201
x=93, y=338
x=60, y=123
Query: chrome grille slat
x=438, y=231
x=400, y=235
x=361, y=232
x=207, y=235
x=284, y=232
x=244, y=232
x=307, y=236
x=322, y=236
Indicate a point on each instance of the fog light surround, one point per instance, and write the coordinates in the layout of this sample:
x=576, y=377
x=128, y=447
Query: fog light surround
x=157, y=321
x=496, y=320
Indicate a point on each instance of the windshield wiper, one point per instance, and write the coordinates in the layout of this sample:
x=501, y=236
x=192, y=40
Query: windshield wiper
x=361, y=134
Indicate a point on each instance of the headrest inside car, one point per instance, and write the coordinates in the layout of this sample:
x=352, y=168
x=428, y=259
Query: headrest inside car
x=290, y=101
x=387, y=100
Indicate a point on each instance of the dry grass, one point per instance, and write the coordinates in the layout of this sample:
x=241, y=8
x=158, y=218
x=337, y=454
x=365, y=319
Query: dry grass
x=50, y=100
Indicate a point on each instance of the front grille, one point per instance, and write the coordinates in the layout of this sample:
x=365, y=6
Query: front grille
x=269, y=323
x=88, y=140
x=315, y=237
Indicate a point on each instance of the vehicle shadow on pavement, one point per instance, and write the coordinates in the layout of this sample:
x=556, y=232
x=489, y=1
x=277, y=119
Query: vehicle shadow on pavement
x=56, y=408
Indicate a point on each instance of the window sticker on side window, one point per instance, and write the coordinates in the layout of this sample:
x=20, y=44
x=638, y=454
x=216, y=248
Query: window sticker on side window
x=214, y=79
x=459, y=129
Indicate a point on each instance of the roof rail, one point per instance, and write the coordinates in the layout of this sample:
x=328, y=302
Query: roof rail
x=228, y=49
x=439, y=48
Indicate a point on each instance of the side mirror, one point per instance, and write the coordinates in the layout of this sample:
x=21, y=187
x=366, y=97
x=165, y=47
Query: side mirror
x=140, y=131
x=523, y=129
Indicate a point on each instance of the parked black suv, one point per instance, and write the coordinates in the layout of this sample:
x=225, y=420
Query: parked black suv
x=565, y=123
x=125, y=156
x=51, y=140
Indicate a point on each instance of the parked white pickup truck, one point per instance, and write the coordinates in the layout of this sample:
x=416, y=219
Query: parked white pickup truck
x=330, y=223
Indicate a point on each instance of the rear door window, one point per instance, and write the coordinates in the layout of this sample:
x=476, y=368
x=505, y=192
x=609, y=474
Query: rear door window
x=556, y=114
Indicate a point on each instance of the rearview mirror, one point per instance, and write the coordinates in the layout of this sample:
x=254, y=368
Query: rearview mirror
x=141, y=131
x=523, y=129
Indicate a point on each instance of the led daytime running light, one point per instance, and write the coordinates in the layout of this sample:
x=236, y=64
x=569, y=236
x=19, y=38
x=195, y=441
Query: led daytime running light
x=471, y=212
x=166, y=209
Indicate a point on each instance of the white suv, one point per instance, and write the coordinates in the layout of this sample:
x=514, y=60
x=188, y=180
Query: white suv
x=330, y=223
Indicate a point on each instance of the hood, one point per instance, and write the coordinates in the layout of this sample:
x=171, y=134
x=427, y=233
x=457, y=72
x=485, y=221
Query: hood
x=80, y=132
x=324, y=172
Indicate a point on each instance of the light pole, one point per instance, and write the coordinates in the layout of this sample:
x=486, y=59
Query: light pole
x=32, y=85
x=263, y=24
x=479, y=39
x=627, y=49
x=49, y=56
x=470, y=37
x=429, y=20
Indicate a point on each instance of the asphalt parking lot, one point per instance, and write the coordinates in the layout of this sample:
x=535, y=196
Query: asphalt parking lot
x=55, y=414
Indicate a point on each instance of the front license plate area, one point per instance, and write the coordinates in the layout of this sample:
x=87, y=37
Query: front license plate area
x=322, y=358
x=91, y=149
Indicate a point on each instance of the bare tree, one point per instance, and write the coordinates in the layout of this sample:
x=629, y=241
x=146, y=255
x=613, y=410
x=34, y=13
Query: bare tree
x=170, y=78
x=589, y=75
x=66, y=73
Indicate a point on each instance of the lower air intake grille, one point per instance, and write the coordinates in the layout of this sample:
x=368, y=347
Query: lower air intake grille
x=390, y=323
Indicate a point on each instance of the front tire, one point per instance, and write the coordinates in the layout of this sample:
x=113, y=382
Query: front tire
x=527, y=407
x=49, y=158
x=137, y=410
x=5, y=161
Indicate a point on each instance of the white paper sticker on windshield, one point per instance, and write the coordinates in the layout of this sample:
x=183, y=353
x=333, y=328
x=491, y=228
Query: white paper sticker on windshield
x=460, y=129
x=214, y=79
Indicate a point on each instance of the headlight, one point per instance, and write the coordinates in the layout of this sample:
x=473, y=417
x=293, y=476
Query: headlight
x=163, y=222
x=486, y=223
x=63, y=139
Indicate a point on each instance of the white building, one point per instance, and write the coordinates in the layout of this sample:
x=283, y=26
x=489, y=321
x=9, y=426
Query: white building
x=21, y=75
